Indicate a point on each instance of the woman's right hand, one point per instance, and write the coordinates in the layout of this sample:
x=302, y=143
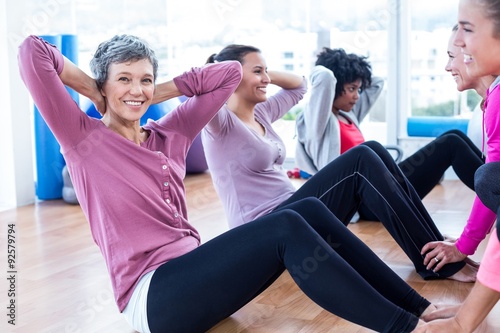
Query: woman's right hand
x=99, y=102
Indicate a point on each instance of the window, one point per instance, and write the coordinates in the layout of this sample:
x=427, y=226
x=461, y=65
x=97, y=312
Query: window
x=433, y=90
x=289, y=32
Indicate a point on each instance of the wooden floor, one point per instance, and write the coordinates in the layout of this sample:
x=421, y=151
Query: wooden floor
x=62, y=283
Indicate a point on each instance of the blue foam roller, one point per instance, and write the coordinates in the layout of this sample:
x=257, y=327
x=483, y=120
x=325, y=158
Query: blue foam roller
x=69, y=48
x=53, y=39
x=435, y=126
x=49, y=161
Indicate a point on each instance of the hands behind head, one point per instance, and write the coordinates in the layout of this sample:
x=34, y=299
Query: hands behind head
x=99, y=101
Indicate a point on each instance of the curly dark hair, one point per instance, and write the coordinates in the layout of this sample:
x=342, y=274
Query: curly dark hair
x=346, y=67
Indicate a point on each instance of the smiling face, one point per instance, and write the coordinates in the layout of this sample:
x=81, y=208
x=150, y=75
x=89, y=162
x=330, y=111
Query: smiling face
x=456, y=67
x=253, y=86
x=349, y=96
x=128, y=90
x=477, y=40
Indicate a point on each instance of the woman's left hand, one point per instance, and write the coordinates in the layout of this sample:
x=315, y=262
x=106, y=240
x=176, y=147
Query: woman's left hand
x=440, y=253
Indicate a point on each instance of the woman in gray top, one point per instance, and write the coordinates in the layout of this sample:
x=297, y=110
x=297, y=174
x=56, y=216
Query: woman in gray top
x=329, y=125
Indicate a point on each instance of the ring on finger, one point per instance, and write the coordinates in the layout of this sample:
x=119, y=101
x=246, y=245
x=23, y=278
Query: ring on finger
x=435, y=258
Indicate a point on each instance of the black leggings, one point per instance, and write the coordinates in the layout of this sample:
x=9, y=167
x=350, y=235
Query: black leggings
x=425, y=168
x=487, y=183
x=361, y=179
x=330, y=264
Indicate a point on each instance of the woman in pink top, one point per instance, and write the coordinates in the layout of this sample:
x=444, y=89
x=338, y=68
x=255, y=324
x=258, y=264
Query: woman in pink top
x=129, y=182
x=458, y=69
x=481, y=218
x=478, y=37
x=485, y=294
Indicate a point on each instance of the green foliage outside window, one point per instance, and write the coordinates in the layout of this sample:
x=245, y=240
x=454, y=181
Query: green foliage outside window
x=441, y=110
x=292, y=114
x=447, y=109
x=473, y=99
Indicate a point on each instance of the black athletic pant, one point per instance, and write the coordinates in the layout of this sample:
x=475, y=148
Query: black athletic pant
x=361, y=179
x=488, y=188
x=330, y=264
x=425, y=167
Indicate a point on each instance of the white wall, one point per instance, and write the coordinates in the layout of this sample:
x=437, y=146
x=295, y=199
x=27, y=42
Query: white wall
x=16, y=164
x=7, y=184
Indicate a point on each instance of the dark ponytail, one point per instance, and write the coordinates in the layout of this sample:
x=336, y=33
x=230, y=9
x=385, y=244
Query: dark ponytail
x=232, y=52
x=211, y=59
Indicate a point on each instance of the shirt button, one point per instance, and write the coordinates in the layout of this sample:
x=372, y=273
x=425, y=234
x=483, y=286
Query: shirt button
x=165, y=184
x=167, y=201
x=163, y=167
x=176, y=214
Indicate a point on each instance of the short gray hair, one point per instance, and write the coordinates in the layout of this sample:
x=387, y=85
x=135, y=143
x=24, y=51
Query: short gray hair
x=120, y=49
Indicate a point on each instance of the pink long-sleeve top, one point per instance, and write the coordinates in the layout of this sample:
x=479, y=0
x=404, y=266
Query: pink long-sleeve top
x=481, y=218
x=132, y=196
x=489, y=271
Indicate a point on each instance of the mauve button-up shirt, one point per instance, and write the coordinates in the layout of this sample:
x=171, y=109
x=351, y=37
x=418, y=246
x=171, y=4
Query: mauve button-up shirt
x=133, y=196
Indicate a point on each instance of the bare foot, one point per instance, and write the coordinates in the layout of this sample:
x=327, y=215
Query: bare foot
x=473, y=263
x=431, y=308
x=420, y=327
x=466, y=274
x=442, y=311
